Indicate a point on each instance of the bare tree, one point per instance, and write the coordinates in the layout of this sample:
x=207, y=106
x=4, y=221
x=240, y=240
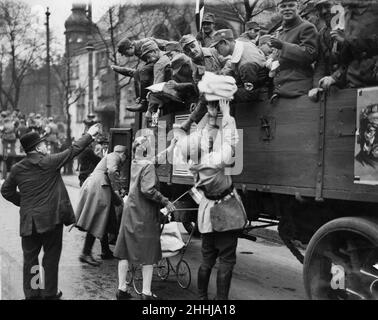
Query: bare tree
x=21, y=45
x=69, y=94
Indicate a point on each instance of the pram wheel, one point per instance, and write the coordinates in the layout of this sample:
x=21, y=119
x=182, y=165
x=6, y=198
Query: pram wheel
x=138, y=280
x=163, y=269
x=183, y=274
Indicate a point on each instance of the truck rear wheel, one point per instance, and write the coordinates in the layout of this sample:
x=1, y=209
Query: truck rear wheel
x=341, y=261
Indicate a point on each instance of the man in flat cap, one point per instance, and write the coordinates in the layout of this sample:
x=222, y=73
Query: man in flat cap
x=297, y=49
x=252, y=32
x=161, y=71
x=182, y=79
x=44, y=208
x=205, y=36
x=247, y=64
x=143, y=76
x=204, y=59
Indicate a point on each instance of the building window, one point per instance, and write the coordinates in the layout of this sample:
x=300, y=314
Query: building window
x=102, y=61
x=75, y=70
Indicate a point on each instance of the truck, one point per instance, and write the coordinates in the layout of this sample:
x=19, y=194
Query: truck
x=299, y=170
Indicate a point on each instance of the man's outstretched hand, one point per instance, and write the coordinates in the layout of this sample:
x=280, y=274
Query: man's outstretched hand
x=94, y=130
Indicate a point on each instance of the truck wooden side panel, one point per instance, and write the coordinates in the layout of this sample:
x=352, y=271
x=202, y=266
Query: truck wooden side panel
x=284, y=152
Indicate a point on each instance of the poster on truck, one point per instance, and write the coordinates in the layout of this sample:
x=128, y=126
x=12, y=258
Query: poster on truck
x=366, y=148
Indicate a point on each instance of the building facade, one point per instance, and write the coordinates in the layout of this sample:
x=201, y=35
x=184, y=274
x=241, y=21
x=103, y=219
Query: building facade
x=90, y=48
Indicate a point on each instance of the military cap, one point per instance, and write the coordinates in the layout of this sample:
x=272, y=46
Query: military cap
x=187, y=39
x=124, y=44
x=4, y=113
x=178, y=61
x=208, y=17
x=252, y=25
x=38, y=116
x=51, y=119
x=223, y=34
x=148, y=47
x=91, y=116
x=173, y=46
x=120, y=149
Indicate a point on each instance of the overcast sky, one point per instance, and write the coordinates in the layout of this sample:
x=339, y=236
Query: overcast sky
x=61, y=9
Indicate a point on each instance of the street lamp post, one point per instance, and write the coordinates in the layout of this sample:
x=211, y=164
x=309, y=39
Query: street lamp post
x=90, y=48
x=48, y=84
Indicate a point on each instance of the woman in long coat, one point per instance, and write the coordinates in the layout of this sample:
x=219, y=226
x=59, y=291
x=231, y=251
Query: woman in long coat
x=139, y=235
x=95, y=212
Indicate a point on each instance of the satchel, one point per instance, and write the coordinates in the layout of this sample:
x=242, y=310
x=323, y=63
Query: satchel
x=228, y=214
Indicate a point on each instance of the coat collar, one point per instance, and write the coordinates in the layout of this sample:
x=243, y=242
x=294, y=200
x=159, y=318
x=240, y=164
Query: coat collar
x=295, y=23
x=34, y=157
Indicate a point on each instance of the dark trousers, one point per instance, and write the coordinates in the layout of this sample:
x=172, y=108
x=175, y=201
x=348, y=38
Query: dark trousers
x=89, y=242
x=51, y=242
x=144, y=77
x=220, y=245
x=215, y=245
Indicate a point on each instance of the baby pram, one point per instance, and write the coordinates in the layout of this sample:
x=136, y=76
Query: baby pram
x=172, y=245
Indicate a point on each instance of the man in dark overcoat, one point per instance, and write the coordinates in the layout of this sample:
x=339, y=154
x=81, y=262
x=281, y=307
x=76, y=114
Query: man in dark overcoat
x=44, y=208
x=297, y=50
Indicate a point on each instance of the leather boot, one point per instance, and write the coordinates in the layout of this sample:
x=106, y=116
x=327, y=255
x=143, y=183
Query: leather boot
x=139, y=107
x=203, y=282
x=224, y=277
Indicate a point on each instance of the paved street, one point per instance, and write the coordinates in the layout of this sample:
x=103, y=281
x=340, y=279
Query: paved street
x=264, y=270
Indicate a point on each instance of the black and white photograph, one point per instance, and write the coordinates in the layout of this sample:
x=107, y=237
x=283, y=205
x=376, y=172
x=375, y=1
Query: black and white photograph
x=200, y=152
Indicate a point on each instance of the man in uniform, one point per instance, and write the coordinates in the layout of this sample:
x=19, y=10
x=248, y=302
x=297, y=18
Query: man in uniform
x=247, y=64
x=297, y=50
x=143, y=76
x=205, y=36
x=252, y=32
x=204, y=59
x=161, y=71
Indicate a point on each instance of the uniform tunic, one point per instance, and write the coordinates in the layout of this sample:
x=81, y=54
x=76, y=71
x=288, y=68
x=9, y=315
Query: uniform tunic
x=299, y=52
x=205, y=39
x=139, y=235
x=247, y=63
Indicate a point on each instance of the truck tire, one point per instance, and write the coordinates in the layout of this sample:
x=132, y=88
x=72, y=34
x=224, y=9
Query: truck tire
x=341, y=260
